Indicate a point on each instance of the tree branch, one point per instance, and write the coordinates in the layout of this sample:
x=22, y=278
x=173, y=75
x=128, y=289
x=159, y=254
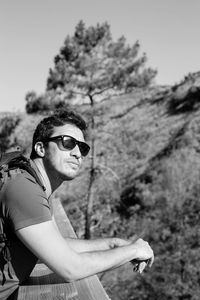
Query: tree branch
x=110, y=170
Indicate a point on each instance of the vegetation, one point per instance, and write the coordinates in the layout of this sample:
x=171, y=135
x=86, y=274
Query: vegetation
x=91, y=67
x=146, y=179
x=8, y=123
x=149, y=151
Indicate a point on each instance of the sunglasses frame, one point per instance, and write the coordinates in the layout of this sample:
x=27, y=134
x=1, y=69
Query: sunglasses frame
x=81, y=145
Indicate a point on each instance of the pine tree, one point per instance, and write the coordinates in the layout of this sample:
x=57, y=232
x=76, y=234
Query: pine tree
x=91, y=66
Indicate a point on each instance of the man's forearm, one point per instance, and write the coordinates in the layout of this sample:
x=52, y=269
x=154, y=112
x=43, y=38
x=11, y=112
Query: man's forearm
x=80, y=245
x=90, y=263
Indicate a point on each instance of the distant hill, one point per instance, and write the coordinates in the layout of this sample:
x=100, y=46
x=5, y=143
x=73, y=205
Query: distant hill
x=147, y=181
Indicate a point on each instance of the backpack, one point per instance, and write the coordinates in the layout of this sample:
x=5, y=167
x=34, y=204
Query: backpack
x=8, y=162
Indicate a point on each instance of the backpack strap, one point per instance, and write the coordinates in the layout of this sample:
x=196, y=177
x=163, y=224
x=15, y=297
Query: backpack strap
x=24, y=163
x=5, y=258
x=10, y=162
x=5, y=158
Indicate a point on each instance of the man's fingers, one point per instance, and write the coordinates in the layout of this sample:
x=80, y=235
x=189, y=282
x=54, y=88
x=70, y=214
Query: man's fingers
x=135, y=267
x=140, y=266
x=136, y=262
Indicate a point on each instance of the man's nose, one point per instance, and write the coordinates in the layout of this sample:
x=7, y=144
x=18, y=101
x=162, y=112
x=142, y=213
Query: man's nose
x=76, y=152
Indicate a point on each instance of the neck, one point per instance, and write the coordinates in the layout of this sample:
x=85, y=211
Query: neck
x=43, y=174
x=51, y=180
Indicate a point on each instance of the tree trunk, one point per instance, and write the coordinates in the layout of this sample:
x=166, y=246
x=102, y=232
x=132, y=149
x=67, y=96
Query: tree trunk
x=90, y=193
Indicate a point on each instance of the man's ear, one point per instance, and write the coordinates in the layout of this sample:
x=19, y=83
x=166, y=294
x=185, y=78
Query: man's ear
x=39, y=149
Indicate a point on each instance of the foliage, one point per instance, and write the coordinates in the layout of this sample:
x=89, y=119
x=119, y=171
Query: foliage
x=8, y=123
x=169, y=220
x=44, y=103
x=24, y=132
x=90, y=67
x=91, y=64
x=146, y=183
x=175, y=273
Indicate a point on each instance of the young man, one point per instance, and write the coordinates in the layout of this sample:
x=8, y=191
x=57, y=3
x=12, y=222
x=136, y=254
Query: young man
x=58, y=150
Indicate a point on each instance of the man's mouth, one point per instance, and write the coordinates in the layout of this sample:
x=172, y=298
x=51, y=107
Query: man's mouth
x=73, y=163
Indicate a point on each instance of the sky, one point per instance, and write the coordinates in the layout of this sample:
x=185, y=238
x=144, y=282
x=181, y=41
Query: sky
x=33, y=31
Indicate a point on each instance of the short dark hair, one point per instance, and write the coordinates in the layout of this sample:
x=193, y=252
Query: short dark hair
x=58, y=118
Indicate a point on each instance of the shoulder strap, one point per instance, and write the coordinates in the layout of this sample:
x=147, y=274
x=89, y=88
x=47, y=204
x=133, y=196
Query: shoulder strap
x=15, y=159
x=24, y=163
x=5, y=158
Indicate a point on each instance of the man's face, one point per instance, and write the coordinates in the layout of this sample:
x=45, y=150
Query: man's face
x=63, y=164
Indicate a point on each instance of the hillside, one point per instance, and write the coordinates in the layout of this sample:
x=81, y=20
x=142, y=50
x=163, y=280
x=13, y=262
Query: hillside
x=147, y=183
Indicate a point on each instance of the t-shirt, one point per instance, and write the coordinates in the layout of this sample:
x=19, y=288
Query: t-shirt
x=24, y=203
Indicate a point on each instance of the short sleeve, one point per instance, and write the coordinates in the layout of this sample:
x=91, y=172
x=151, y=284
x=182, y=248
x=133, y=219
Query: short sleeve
x=26, y=203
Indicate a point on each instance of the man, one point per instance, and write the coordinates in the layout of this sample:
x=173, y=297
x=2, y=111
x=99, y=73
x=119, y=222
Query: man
x=58, y=150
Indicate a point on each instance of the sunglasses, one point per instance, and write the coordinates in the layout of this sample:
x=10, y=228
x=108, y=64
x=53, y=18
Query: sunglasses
x=68, y=143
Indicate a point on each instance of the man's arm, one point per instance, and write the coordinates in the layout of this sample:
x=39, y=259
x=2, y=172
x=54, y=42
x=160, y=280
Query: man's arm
x=45, y=241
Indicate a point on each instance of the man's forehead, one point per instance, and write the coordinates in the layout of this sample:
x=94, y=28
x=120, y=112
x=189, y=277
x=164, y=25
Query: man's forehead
x=69, y=129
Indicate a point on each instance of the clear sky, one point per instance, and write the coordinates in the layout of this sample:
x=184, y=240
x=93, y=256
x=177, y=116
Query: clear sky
x=33, y=31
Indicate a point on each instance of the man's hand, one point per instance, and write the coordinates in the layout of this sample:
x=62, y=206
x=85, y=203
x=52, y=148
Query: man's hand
x=145, y=256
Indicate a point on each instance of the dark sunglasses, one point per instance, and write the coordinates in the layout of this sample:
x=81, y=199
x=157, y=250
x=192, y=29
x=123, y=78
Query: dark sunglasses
x=68, y=143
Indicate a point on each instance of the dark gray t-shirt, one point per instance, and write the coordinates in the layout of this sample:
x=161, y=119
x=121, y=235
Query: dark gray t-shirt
x=24, y=204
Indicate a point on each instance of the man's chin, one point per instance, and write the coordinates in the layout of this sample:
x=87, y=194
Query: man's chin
x=69, y=176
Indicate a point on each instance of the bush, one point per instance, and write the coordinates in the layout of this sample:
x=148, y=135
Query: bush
x=8, y=123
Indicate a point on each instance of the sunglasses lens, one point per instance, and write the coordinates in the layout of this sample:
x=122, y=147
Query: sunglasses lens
x=70, y=143
x=84, y=148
